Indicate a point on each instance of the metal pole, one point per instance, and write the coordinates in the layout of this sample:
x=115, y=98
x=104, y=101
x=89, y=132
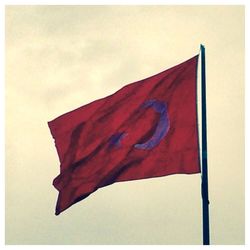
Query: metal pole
x=204, y=173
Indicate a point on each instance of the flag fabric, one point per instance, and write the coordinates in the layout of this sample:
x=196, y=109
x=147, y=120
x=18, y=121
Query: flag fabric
x=146, y=129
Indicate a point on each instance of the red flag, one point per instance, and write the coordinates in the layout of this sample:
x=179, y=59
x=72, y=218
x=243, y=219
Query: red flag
x=146, y=129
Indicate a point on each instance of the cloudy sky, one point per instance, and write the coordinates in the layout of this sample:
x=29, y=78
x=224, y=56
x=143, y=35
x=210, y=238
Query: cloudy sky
x=59, y=58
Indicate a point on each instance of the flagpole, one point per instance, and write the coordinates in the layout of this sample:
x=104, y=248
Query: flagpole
x=204, y=172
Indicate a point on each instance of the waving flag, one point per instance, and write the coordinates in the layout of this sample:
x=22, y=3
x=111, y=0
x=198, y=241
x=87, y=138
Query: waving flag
x=146, y=129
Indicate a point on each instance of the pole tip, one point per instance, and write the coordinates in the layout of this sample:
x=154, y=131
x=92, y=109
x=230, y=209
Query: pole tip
x=202, y=47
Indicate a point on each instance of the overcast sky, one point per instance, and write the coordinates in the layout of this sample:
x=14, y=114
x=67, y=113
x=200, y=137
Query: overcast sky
x=61, y=57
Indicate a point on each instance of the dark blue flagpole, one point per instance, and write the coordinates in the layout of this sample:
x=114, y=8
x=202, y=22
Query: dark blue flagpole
x=204, y=172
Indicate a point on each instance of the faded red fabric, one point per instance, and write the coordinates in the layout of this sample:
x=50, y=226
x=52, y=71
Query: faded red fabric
x=146, y=129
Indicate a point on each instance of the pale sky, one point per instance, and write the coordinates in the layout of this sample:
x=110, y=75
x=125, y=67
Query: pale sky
x=59, y=58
